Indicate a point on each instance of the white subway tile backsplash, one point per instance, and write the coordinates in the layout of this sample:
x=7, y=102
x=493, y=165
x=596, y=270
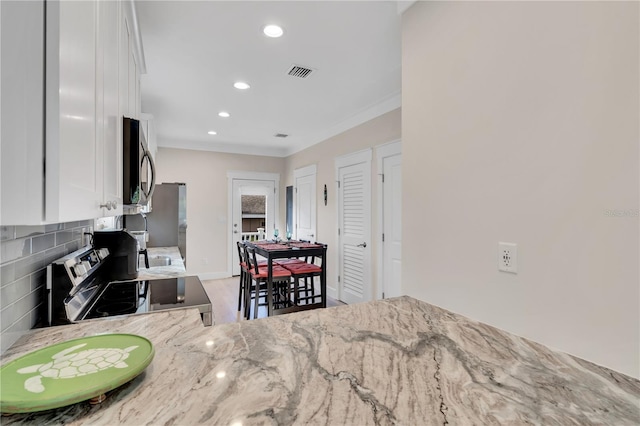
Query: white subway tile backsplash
x=7, y=317
x=38, y=279
x=7, y=273
x=54, y=254
x=17, y=329
x=15, y=249
x=54, y=227
x=63, y=237
x=70, y=225
x=7, y=233
x=27, y=265
x=16, y=290
x=72, y=246
x=42, y=242
x=29, y=231
x=26, y=251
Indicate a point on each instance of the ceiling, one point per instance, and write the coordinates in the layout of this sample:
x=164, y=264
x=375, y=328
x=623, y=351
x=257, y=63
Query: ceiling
x=195, y=50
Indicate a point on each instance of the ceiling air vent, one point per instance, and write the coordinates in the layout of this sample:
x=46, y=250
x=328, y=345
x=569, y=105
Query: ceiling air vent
x=300, y=72
x=280, y=135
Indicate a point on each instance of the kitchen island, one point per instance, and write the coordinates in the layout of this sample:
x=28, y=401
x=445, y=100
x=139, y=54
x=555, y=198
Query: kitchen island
x=395, y=361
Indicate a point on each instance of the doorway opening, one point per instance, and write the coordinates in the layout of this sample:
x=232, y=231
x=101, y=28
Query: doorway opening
x=254, y=216
x=259, y=194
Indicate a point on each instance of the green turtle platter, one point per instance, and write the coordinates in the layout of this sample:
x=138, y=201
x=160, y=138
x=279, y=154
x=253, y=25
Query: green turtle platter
x=72, y=371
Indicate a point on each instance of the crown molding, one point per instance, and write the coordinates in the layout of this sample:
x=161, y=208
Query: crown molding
x=391, y=102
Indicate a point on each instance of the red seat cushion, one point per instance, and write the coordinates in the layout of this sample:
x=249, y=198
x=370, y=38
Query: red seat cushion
x=277, y=272
x=304, y=268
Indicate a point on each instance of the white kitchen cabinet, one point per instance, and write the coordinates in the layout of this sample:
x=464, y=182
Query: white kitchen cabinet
x=75, y=171
x=73, y=184
x=21, y=112
x=82, y=138
x=123, y=64
x=109, y=13
x=133, y=85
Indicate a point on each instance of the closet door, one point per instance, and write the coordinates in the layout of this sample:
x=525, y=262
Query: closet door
x=354, y=221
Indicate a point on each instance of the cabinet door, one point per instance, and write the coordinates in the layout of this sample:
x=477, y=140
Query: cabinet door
x=74, y=154
x=133, y=85
x=22, y=118
x=123, y=65
x=108, y=31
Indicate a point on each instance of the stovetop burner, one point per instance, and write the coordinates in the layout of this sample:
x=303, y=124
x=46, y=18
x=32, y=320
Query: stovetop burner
x=117, y=308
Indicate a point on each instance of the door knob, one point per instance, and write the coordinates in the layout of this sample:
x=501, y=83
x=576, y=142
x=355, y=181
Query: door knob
x=362, y=245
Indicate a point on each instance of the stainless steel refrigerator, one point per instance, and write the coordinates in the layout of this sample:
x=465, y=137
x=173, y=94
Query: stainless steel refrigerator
x=167, y=221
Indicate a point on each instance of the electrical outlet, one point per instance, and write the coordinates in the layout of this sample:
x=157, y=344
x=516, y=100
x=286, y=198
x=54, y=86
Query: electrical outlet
x=508, y=257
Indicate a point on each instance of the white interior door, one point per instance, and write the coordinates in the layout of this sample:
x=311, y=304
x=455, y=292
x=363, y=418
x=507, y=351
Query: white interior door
x=354, y=222
x=392, y=226
x=242, y=187
x=304, y=203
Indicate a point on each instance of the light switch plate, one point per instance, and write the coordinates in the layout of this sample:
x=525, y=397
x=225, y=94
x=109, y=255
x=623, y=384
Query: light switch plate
x=508, y=257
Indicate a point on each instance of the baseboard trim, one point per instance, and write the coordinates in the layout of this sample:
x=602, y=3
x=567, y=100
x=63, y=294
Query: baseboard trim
x=213, y=275
x=332, y=292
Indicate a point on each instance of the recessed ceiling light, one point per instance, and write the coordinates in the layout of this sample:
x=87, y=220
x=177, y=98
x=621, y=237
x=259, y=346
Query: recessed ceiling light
x=211, y=132
x=224, y=114
x=241, y=85
x=272, y=31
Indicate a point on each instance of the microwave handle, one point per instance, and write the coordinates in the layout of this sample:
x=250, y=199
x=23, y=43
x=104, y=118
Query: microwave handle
x=152, y=187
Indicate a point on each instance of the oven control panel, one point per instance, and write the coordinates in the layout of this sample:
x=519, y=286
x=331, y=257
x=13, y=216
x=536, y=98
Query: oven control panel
x=79, y=266
x=76, y=274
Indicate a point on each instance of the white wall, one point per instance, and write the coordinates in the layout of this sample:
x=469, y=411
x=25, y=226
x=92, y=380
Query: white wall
x=520, y=124
x=205, y=174
x=380, y=130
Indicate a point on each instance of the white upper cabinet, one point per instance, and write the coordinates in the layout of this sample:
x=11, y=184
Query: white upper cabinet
x=74, y=143
x=132, y=60
x=92, y=80
x=21, y=112
x=109, y=24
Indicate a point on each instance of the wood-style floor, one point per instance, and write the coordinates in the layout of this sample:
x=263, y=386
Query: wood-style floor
x=223, y=294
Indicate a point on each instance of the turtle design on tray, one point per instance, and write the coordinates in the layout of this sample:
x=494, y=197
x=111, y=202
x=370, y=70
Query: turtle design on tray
x=67, y=365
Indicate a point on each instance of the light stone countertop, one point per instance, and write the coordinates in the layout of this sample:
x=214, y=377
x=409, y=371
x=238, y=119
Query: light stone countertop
x=395, y=361
x=176, y=269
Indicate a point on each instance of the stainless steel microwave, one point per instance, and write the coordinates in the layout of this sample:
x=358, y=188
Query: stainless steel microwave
x=138, y=167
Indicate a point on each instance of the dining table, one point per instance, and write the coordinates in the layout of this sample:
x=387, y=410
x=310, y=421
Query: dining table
x=273, y=250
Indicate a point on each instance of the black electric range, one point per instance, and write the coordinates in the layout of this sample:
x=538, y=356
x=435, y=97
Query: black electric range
x=81, y=288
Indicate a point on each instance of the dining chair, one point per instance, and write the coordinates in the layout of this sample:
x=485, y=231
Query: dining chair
x=303, y=274
x=256, y=282
x=244, y=271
